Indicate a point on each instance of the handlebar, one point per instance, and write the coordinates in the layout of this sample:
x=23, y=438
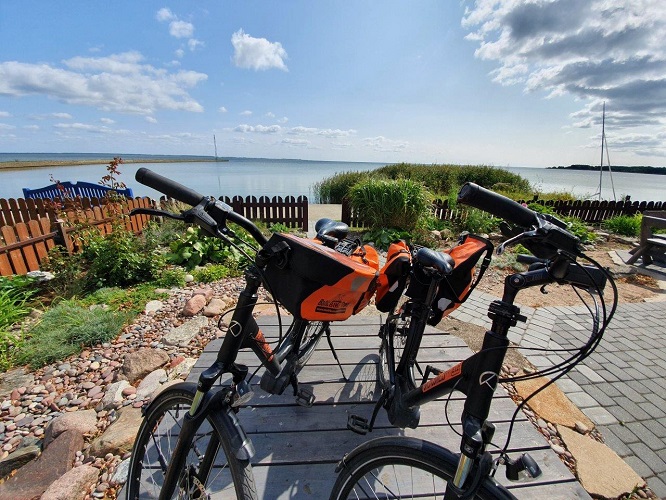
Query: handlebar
x=219, y=211
x=170, y=188
x=475, y=196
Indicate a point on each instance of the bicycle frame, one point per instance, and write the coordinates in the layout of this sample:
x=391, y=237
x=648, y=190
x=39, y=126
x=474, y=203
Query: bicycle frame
x=476, y=377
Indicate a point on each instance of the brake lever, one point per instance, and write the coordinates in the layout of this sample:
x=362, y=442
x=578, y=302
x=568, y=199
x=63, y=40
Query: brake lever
x=156, y=212
x=515, y=240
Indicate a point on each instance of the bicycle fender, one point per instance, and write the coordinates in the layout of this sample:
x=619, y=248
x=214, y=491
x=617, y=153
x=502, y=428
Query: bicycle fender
x=241, y=445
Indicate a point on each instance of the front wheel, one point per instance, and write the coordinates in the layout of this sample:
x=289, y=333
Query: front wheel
x=399, y=467
x=211, y=469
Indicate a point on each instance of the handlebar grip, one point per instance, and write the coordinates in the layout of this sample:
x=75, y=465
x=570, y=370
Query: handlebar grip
x=529, y=259
x=475, y=196
x=170, y=188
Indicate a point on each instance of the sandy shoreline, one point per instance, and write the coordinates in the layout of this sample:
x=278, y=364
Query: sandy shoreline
x=93, y=161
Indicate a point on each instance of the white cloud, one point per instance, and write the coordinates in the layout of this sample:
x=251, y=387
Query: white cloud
x=332, y=133
x=260, y=129
x=295, y=142
x=164, y=14
x=61, y=116
x=284, y=119
x=30, y=127
x=150, y=119
x=269, y=115
x=247, y=112
x=257, y=53
x=66, y=128
x=383, y=145
x=5, y=126
x=222, y=109
x=107, y=121
x=595, y=51
x=181, y=29
x=119, y=82
x=5, y=114
x=193, y=43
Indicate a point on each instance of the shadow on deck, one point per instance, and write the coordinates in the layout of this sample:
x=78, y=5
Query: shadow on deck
x=298, y=448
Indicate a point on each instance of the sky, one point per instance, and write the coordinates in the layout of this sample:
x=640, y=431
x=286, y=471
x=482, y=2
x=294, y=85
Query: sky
x=494, y=82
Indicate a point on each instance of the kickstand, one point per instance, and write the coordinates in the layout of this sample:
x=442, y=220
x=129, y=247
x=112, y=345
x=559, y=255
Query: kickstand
x=335, y=354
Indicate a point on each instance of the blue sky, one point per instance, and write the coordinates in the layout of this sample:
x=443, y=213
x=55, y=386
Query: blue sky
x=498, y=82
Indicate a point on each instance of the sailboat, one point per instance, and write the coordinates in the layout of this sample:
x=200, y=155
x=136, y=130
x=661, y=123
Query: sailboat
x=604, y=147
x=215, y=144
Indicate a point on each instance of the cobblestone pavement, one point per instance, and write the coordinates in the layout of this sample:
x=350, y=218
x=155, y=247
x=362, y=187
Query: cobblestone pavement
x=621, y=387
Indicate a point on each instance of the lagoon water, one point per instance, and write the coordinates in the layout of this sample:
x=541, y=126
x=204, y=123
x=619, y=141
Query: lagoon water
x=268, y=177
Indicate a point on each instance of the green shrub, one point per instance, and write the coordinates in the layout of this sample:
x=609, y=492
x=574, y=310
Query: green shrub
x=626, y=225
x=171, y=277
x=401, y=204
x=478, y=222
x=194, y=249
x=15, y=295
x=383, y=237
x=120, y=259
x=64, y=330
x=335, y=188
x=213, y=272
x=131, y=300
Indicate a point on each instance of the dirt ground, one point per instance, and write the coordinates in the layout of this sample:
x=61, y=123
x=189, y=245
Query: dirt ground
x=632, y=287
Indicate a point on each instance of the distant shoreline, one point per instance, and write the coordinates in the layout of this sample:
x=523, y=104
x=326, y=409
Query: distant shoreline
x=617, y=168
x=96, y=161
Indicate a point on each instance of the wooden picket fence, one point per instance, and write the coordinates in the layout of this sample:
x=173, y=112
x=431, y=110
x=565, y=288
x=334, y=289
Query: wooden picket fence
x=24, y=244
x=290, y=211
x=29, y=228
x=591, y=212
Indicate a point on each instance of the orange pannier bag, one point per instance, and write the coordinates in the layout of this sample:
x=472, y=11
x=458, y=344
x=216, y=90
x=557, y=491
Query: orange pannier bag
x=393, y=276
x=455, y=288
x=367, y=255
x=314, y=282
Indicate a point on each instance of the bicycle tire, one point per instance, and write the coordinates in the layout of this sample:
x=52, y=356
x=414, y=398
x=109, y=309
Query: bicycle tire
x=371, y=471
x=311, y=336
x=397, y=327
x=224, y=476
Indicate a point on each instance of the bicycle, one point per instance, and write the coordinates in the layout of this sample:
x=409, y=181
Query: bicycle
x=191, y=442
x=397, y=467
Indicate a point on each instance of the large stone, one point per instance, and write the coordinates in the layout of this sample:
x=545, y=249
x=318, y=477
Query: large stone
x=113, y=397
x=183, y=334
x=551, y=404
x=138, y=364
x=152, y=306
x=32, y=480
x=150, y=383
x=74, y=485
x=182, y=369
x=84, y=421
x=215, y=307
x=194, y=305
x=18, y=459
x=600, y=470
x=19, y=377
x=119, y=436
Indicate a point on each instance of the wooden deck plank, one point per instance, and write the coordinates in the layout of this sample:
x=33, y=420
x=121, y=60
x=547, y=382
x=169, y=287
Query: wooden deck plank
x=297, y=448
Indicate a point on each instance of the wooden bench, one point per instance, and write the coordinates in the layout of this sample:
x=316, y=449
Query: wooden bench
x=73, y=189
x=652, y=245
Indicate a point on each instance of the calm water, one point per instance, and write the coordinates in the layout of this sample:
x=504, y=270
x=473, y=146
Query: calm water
x=262, y=177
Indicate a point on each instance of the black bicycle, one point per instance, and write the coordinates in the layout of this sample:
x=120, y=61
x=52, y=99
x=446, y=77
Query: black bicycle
x=403, y=467
x=191, y=443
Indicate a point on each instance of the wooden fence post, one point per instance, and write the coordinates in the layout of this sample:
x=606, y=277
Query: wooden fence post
x=62, y=238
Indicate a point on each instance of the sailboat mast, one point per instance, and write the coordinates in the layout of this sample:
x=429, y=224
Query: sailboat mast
x=215, y=144
x=603, y=141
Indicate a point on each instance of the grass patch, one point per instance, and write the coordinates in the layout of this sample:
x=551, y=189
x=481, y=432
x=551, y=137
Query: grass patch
x=626, y=225
x=65, y=330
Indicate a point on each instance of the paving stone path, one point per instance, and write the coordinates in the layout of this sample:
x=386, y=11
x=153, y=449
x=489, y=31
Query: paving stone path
x=621, y=387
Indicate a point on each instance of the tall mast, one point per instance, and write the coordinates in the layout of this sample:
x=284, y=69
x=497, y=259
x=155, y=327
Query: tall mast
x=215, y=144
x=603, y=141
